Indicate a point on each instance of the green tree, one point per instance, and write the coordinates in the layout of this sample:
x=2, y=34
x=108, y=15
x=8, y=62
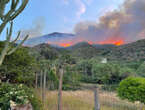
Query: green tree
x=19, y=67
x=71, y=78
x=133, y=89
x=110, y=73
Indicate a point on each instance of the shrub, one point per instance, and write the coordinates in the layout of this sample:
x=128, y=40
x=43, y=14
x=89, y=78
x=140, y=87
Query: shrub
x=11, y=95
x=133, y=89
x=18, y=67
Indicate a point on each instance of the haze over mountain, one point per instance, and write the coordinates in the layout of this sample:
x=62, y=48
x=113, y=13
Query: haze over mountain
x=55, y=39
x=63, y=40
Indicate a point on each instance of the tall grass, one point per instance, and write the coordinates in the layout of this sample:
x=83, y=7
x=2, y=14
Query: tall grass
x=84, y=100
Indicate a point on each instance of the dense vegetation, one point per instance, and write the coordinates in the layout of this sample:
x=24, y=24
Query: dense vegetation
x=86, y=62
x=28, y=66
x=18, y=68
x=132, y=89
x=10, y=95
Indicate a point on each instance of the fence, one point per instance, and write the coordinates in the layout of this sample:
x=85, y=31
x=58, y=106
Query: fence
x=90, y=97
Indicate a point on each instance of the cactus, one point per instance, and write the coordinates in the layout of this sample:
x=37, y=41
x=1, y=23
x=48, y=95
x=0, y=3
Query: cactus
x=7, y=18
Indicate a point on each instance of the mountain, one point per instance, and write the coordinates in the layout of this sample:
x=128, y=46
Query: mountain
x=46, y=51
x=129, y=52
x=104, y=46
x=56, y=36
x=83, y=50
x=132, y=51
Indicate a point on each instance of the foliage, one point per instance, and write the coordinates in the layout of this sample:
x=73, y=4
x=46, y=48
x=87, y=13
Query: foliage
x=133, y=89
x=52, y=80
x=71, y=79
x=85, y=67
x=12, y=95
x=49, y=53
x=19, y=67
x=129, y=52
x=141, y=70
x=95, y=72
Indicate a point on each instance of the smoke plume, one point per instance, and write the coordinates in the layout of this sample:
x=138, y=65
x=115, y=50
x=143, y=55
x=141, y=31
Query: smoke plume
x=117, y=27
x=36, y=30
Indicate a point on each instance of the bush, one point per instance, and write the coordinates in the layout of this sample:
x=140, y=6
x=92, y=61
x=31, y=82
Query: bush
x=133, y=89
x=11, y=95
x=18, y=67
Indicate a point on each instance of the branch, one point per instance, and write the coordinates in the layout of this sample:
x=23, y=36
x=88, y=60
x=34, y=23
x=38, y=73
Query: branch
x=14, y=4
x=19, y=10
x=2, y=26
x=15, y=48
x=14, y=41
x=6, y=47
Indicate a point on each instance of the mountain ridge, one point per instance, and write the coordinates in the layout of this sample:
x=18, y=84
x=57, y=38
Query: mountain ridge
x=129, y=52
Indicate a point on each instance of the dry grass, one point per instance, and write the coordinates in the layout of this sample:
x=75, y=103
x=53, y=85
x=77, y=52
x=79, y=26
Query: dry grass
x=83, y=100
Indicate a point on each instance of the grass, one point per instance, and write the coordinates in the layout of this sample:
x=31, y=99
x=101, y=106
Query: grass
x=83, y=100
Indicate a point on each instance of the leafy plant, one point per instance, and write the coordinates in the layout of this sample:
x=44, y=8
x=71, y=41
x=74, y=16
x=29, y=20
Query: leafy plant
x=19, y=67
x=18, y=94
x=133, y=89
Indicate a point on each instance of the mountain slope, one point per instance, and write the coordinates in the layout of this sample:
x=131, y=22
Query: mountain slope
x=133, y=51
x=46, y=51
x=56, y=36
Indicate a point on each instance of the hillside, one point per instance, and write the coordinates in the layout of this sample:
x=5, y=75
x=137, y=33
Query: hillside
x=83, y=50
x=130, y=52
x=46, y=51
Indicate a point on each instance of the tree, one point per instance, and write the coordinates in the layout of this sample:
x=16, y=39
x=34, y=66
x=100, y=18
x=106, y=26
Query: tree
x=71, y=78
x=44, y=69
x=7, y=18
x=19, y=67
x=110, y=73
x=133, y=89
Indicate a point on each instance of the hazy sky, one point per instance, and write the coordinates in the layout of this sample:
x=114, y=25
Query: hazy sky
x=46, y=16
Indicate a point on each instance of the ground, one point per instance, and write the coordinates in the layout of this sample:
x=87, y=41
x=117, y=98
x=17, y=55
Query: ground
x=84, y=100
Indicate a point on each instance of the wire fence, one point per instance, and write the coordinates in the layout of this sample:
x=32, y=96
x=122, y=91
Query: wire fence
x=85, y=99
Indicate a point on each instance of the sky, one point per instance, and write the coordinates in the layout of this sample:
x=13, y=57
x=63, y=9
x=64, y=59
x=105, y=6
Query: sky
x=47, y=16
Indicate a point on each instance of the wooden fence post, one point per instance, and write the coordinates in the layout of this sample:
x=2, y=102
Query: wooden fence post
x=44, y=86
x=60, y=90
x=41, y=84
x=36, y=80
x=96, y=98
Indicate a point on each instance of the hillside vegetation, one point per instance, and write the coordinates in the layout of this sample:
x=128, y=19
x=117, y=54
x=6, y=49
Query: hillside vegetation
x=129, y=52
